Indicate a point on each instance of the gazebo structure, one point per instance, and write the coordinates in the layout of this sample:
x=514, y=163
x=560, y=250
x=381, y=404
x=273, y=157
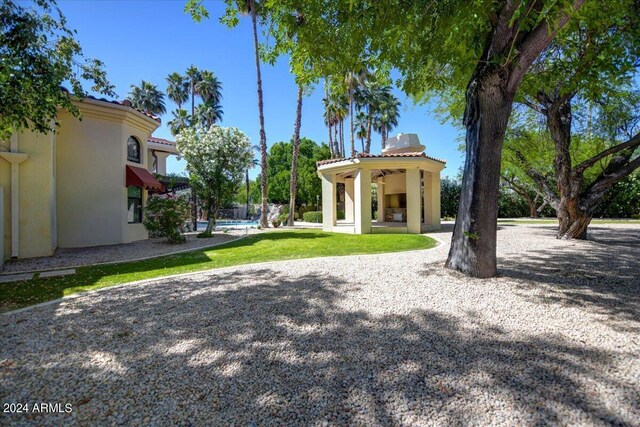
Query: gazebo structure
x=408, y=190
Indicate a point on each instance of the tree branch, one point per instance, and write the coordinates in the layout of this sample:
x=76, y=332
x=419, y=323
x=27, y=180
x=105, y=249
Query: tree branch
x=593, y=194
x=533, y=106
x=631, y=143
x=533, y=44
x=541, y=181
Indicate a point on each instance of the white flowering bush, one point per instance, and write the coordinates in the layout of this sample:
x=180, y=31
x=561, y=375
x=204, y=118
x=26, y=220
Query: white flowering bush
x=216, y=160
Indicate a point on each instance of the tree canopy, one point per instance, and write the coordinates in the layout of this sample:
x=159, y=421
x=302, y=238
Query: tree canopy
x=40, y=54
x=279, y=171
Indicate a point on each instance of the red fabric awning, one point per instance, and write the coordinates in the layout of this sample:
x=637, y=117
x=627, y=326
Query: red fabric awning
x=140, y=177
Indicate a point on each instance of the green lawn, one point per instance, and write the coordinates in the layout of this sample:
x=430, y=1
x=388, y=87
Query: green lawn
x=269, y=246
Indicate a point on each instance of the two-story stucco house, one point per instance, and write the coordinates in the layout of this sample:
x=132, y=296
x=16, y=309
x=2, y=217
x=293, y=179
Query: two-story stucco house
x=84, y=185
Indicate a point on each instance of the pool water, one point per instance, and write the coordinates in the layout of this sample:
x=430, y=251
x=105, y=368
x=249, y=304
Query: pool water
x=228, y=224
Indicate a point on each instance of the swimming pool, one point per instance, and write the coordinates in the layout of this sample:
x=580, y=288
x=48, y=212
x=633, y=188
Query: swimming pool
x=229, y=224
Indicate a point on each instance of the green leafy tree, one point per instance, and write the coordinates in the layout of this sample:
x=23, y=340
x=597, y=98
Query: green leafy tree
x=591, y=66
x=279, y=162
x=622, y=200
x=216, y=161
x=39, y=53
x=483, y=48
x=147, y=97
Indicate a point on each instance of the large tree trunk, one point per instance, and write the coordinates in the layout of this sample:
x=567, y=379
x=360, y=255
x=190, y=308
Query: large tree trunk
x=489, y=100
x=293, y=187
x=211, y=215
x=263, y=135
x=473, y=246
x=573, y=220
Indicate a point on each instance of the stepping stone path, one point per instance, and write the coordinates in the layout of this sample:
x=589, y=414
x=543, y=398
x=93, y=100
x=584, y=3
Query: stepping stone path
x=16, y=277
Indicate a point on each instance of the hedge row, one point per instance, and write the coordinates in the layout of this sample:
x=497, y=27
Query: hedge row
x=313, y=216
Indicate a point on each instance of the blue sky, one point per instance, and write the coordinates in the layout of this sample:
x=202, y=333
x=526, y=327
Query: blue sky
x=148, y=40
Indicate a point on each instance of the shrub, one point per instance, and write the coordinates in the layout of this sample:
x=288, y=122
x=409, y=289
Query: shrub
x=283, y=217
x=275, y=223
x=166, y=217
x=313, y=216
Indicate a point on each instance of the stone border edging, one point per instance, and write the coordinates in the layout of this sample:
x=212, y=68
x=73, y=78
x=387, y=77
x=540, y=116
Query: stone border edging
x=123, y=260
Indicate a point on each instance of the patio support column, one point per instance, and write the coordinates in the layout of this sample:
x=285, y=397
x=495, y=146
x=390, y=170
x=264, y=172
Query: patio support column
x=381, y=199
x=432, y=200
x=329, y=207
x=349, y=212
x=362, y=186
x=413, y=201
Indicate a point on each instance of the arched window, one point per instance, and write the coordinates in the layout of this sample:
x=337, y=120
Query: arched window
x=133, y=150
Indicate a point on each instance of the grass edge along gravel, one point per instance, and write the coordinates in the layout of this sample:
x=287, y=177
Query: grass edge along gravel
x=262, y=247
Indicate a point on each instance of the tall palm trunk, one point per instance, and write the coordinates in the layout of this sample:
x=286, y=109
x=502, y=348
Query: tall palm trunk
x=330, y=141
x=193, y=101
x=336, y=141
x=331, y=150
x=248, y=187
x=353, y=144
x=342, y=137
x=263, y=135
x=293, y=187
x=369, y=126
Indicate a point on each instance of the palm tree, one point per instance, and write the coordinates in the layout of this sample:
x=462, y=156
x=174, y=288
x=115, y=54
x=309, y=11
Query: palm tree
x=251, y=6
x=209, y=113
x=177, y=89
x=147, y=98
x=293, y=184
x=361, y=127
x=209, y=87
x=386, y=114
x=341, y=113
x=181, y=119
x=329, y=122
x=193, y=77
x=353, y=80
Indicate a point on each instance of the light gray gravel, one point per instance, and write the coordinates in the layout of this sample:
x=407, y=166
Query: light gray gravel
x=65, y=258
x=390, y=339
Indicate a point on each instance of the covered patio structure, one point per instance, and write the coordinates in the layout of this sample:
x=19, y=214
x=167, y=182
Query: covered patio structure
x=408, y=193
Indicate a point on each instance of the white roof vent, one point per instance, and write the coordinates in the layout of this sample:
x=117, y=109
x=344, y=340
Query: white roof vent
x=403, y=143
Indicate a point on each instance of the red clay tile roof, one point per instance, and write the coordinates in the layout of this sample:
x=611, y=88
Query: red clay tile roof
x=125, y=103
x=379, y=156
x=161, y=141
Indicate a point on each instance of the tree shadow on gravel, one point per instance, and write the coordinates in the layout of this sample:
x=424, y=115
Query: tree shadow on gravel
x=255, y=347
x=602, y=273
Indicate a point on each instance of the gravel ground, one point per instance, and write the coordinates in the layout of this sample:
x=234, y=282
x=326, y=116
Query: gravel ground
x=66, y=258
x=390, y=339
